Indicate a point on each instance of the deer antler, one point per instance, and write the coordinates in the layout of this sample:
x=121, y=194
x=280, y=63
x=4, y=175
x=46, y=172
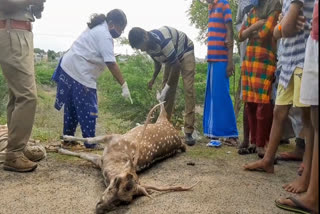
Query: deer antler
x=173, y=188
x=137, y=154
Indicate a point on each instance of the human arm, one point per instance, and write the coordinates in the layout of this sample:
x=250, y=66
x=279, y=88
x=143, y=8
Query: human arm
x=229, y=39
x=116, y=73
x=276, y=32
x=268, y=27
x=174, y=73
x=299, y=27
x=170, y=52
x=290, y=20
x=157, y=68
x=252, y=30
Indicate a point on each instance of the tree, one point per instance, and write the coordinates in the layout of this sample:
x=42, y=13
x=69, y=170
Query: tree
x=39, y=51
x=123, y=41
x=198, y=16
x=52, y=55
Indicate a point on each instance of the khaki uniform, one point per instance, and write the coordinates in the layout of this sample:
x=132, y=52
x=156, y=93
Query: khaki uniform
x=187, y=73
x=17, y=63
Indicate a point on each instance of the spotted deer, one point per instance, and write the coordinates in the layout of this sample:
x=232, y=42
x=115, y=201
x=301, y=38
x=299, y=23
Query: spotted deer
x=125, y=155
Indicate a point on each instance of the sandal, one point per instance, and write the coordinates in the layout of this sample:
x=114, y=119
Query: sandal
x=245, y=151
x=297, y=208
x=231, y=141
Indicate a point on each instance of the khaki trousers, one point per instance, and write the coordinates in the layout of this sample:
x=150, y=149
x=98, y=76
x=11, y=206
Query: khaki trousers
x=16, y=60
x=187, y=73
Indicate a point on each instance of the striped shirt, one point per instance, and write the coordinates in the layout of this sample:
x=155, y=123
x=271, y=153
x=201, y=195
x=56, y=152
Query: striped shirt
x=219, y=15
x=293, y=48
x=173, y=45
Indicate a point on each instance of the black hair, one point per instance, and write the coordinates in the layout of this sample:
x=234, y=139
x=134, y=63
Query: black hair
x=116, y=16
x=136, y=36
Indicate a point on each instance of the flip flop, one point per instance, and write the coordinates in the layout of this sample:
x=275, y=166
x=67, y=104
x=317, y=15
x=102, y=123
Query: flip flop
x=231, y=142
x=298, y=208
x=288, y=156
x=243, y=151
x=214, y=143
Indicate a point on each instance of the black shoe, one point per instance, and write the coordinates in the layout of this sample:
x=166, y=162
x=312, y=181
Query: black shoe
x=285, y=141
x=189, y=139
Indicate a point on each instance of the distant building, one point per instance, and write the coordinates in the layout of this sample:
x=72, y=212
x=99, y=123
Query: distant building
x=40, y=57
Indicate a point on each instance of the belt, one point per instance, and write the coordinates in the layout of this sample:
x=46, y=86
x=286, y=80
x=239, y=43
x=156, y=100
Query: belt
x=15, y=24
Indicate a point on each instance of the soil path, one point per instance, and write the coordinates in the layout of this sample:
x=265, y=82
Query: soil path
x=69, y=185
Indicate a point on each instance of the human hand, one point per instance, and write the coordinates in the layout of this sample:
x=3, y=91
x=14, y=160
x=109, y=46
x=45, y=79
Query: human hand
x=228, y=43
x=259, y=24
x=150, y=84
x=125, y=91
x=161, y=96
x=254, y=35
x=230, y=69
x=301, y=21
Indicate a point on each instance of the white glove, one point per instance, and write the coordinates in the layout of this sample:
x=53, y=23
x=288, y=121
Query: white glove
x=125, y=91
x=161, y=96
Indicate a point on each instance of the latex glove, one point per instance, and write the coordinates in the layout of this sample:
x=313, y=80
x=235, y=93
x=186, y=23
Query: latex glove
x=125, y=91
x=162, y=95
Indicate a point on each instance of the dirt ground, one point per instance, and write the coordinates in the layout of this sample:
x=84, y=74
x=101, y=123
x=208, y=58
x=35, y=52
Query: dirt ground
x=69, y=185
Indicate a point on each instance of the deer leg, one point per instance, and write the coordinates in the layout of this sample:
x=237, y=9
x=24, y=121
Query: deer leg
x=173, y=188
x=98, y=139
x=95, y=159
x=143, y=191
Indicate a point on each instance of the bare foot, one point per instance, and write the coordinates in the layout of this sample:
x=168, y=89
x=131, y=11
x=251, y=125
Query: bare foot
x=303, y=204
x=299, y=185
x=290, y=156
x=260, y=165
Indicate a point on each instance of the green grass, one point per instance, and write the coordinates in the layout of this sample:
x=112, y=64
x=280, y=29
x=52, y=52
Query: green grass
x=116, y=115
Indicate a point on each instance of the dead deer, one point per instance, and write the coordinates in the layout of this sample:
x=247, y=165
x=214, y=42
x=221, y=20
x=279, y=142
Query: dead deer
x=125, y=155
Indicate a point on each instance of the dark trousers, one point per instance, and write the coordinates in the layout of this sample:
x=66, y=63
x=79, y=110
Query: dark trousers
x=260, y=117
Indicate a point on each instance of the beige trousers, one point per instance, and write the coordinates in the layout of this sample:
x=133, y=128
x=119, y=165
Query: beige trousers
x=16, y=60
x=187, y=73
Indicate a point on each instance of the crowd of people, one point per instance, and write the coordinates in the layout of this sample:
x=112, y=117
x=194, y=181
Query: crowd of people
x=279, y=77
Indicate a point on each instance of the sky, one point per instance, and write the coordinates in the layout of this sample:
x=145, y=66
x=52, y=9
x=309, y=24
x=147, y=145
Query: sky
x=64, y=20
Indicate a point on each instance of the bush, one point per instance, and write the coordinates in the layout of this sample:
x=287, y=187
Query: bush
x=44, y=73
